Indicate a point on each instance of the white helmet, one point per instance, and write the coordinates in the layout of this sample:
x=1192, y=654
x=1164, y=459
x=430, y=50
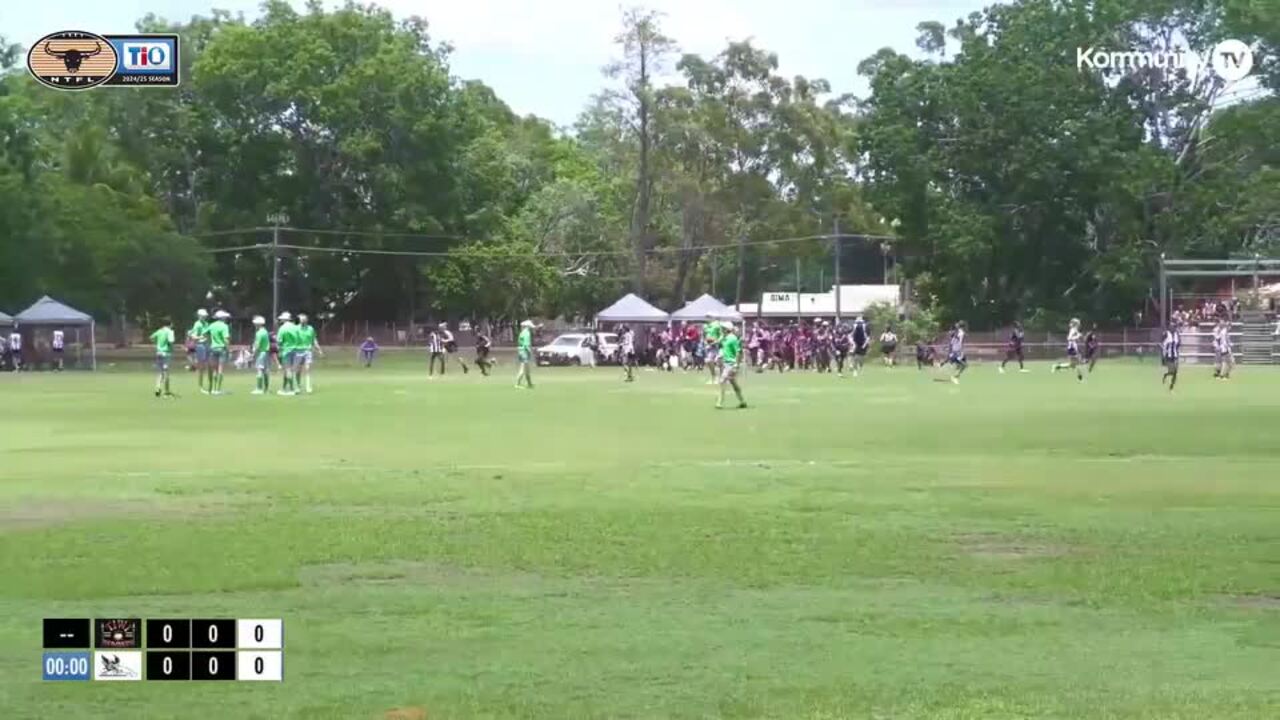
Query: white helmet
x=526, y=323
x=222, y=314
x=726, y=325
x=285, y=316
x=259, y=320
x=202, y=313
x=302, y=317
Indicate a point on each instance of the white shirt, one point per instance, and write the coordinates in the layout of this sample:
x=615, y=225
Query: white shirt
x=1073, y=339
x=57, y=339
x=15, y=341
x=888, y=338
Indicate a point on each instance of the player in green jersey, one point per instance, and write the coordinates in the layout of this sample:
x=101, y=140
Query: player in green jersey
x=219, y=338
x=261, y=355
x=199, y=334
x=524, y=353
x=712, y=331
x=164, y=339
x=730, y=354
x=287, y=338
x=307, y=346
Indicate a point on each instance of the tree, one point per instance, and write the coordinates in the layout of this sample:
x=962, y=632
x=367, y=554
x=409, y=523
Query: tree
x=645, y=51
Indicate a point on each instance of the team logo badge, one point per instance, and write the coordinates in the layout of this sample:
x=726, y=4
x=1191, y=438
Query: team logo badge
x=72, y=60
x=78, y=60
x=118, y=634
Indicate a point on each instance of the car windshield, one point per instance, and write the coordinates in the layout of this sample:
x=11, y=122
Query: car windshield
x=567, y=341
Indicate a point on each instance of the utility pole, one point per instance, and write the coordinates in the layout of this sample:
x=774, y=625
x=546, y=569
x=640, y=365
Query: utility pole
x=276, y=220
x=835, y=220
x=798, y=288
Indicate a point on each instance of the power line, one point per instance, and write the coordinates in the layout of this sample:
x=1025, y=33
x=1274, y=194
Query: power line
x=565, y=253
x=320, y=231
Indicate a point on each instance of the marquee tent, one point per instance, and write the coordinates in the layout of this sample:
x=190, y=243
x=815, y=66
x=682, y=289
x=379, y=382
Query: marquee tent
x=702, y=307
x=49, y=312
x=633, y=309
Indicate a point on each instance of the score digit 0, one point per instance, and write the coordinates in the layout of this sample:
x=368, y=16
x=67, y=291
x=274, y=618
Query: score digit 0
x=260, y=634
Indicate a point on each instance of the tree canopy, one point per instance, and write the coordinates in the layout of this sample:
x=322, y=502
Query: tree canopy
x=1004, y=181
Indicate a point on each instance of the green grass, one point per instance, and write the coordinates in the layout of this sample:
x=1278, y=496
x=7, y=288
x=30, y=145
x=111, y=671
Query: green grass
x=1017, y=546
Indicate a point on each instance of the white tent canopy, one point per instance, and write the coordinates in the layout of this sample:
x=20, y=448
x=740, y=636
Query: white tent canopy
x=706, y=306
x=633, y=309
x=47, y=311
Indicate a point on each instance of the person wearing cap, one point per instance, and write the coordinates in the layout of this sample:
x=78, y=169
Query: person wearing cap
x=198, y=335
x=261, y=355
x=368, y=349
x=524, y=353
x=287, y=337
x=163, y=338
x=307, y=346
x=730, y=355
x=219, y=336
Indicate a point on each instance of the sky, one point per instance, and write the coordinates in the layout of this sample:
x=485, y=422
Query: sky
x=545, y=57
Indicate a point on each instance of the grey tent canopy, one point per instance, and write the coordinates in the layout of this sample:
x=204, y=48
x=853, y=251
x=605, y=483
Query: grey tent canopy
x=706, y=306
x=631, y=308
x=47, y=311
x=5, y=320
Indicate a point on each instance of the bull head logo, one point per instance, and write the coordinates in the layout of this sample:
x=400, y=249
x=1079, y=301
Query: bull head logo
x=73, y=57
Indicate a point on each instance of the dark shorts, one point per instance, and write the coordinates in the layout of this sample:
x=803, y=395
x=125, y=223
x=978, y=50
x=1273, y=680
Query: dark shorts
x=482, y=352
x=162, y=361
x=860, y=350
x=524, y=355
x=889, y=348
x=57, y=351
x=1089, y=353
x=1171, y=362
x=202, y=352
x=217, y=354
x=1072, y=352
x=956, y=358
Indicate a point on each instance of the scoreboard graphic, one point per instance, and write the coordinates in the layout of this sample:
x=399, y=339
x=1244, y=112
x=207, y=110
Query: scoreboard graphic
x=179, y=649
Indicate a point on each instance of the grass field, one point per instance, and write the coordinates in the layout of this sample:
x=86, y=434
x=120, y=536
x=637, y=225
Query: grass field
x=893, y=547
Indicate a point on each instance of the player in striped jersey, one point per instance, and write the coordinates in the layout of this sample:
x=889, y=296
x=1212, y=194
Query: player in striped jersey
x=627, y=342
x=1224, y=360
x=435, y=346
x=58, y=344
x=1073, y=350
x=955, y=354
x=1170, y=350
x=861, y=341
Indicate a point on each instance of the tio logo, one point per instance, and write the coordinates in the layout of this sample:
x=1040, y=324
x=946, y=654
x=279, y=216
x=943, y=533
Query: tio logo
x=146, y=56
x=1232, y=60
